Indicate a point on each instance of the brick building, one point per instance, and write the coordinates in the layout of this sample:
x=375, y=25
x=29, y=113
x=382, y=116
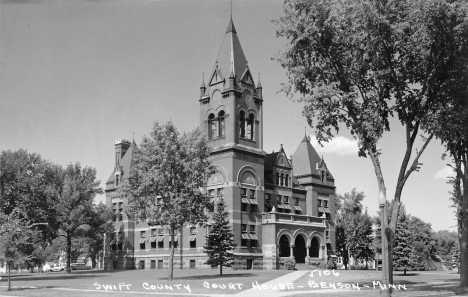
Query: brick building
x=279, y=207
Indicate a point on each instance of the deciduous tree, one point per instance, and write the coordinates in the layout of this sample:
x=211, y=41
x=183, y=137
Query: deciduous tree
x=72, y=204
x=165, y=182
x=356, y=63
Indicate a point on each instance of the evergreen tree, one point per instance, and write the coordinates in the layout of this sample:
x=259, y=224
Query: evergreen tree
x=220, y=240
x=403, y=249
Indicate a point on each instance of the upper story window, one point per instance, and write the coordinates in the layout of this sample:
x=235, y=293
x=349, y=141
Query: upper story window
x=277, y=178
x=282, y=180
x=212, y=126
x=242, y=124
x=323, y=176
x=220, y=193
x=246, y=125
x=250, y=127
x=221, y=124
x=286, y=181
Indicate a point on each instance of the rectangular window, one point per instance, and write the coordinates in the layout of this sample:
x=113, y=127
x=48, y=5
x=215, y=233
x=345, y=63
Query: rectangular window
x=244, y=242
x=325, y=203
x=153, y=264
x=319, y=202
x=192, y=264
x=193, y=243
x=211, y=193
x=252, y=194
x=296, y=201
x=154, y=232
x=153, y=245
x=160, y=264
x=253, y=208
x=175, y=242
x=142, y=246
x=160, y=242
x=193, y=230
x=286, y=199
x=252, y=229
x=244, y=228
x=278, y=198
x=253, y=243
x=243, y=192
x=298, y=212
x=267, y=197
x=141, y=265
x=326, y=234
x=142, y=234
x=158, y=202
x=220, y=194
x=244, y=207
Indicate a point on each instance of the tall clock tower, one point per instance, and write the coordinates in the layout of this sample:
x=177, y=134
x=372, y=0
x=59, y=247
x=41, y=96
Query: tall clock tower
x=231, y=114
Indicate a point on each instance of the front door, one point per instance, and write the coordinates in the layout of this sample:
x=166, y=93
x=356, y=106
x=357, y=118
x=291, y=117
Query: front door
x=299, y=249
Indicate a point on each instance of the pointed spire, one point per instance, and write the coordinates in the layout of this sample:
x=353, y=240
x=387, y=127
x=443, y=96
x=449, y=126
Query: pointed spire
x=203, y=81
x=231, y=27
x=133, y=142
x=202, y=87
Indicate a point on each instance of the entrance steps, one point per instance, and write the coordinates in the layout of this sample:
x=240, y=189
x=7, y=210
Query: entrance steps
x=302, y=266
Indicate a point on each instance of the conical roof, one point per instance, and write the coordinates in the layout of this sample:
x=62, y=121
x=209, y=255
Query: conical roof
x=305, y=158
x=231, y=54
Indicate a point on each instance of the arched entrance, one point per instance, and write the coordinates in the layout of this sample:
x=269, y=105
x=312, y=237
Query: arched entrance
x=299, y=249
x=284, y=249
x=314, y=250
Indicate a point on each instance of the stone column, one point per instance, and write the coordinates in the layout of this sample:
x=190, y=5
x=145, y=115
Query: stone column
x=323, y=252
x=291, y=255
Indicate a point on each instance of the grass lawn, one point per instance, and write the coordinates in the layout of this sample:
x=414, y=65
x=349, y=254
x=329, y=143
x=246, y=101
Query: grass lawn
x=208, y=282
x=100, y=283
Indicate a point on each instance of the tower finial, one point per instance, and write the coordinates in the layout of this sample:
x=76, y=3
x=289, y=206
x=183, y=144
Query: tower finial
x=231, y=9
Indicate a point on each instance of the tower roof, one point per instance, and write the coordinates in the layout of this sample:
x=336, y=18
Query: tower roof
x=231, y=56
x=305, y=158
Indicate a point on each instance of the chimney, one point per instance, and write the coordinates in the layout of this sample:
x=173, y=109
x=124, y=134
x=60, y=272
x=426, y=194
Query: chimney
x=121, y=147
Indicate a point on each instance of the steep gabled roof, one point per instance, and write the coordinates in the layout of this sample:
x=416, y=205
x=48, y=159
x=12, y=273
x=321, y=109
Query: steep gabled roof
x=305, y=158
x=231, y=54
x=125, y=164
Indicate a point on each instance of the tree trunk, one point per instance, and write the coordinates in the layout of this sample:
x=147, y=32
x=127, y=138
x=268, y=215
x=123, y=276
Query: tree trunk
x=463, y=230
x=9, y=278
x=68, y=252
x=220, y=269
x=171, y=257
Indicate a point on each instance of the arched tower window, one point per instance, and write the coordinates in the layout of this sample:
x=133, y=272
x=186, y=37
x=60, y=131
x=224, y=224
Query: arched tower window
x=221, y=123
x=250, y=127
x=211, y=127
x=282, y=179
x=242, y=124
x=286, y=181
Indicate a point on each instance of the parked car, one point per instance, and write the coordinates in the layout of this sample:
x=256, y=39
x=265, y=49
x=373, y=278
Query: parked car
x=80, y=266
x=57, y=268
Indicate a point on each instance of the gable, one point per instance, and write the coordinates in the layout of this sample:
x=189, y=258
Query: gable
x=216, y=77
x=282, y=160
x=247, y=77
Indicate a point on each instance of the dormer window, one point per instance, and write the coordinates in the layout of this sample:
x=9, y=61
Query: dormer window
x=117, y=180
x=323, y=176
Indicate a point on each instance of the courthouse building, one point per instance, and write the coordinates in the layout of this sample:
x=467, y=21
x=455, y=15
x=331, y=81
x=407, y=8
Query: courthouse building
x=280, y=208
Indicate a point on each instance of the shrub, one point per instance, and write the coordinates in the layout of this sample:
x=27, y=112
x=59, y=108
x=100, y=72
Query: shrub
x=323, y=265
x=290, y=264
x=331, y=264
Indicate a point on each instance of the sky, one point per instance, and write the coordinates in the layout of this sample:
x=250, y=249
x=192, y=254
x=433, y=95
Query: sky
x=77, y=75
